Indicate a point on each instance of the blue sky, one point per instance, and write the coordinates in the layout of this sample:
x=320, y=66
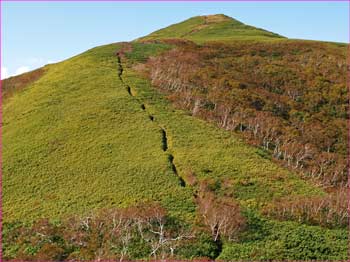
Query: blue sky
x=37, y=33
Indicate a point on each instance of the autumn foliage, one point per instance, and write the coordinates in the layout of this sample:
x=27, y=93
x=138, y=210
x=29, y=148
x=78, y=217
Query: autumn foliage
x=288, y=97
x=329, y=211
x=222, y=215
x=111, y=234
x=14, y=84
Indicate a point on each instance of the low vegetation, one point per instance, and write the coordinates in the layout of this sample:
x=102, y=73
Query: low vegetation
x=169, y=149
x=13, y=85
x=84, y=144
x=271, y=240
x=212, y=28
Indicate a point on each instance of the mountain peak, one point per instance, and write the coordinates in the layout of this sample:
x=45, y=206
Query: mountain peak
x=218, y=27
x=217, y=18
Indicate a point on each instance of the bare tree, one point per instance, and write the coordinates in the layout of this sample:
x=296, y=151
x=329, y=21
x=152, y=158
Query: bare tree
x=156, y=229
x=221, y=215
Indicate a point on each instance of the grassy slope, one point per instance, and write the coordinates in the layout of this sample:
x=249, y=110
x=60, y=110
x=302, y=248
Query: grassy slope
x=272, y=240
x=212, y=28
x=15, y=85
x=83, y=143
x=210, y=152
x=216, y=154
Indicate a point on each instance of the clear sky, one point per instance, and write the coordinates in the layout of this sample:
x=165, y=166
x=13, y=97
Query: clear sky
x=37, y=33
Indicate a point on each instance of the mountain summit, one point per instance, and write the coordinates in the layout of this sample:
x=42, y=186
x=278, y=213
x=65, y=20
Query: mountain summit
x=211, y=28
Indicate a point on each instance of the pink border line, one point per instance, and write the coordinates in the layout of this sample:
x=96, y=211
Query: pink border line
x=175, y=1
x=348, y=123
x=178, y=260
x=0, y=132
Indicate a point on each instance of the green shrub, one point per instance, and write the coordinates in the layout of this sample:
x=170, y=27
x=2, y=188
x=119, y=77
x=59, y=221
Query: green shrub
x=202, y=246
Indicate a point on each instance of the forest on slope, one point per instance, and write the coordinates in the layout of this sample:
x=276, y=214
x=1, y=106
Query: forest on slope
x=289, y=97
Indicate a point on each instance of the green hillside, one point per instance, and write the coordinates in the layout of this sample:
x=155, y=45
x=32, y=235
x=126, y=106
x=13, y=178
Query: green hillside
x=84, y=143
x=211, y=28
x=92, y=134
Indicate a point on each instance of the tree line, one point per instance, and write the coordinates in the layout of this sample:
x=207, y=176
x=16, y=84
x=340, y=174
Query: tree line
x=290, y=98
x=144, y=231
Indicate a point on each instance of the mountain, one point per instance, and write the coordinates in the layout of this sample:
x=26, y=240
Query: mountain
x=212, y=28
x=168, y=147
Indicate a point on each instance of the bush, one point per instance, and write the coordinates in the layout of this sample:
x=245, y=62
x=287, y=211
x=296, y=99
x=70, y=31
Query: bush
x=202, y=246
x=265, y=239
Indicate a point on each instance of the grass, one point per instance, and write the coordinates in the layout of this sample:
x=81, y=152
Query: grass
x=271, y=240
x=241, y=171
x=212, y=28
x=14, y=85
x=83, y=144
x=209, y=152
